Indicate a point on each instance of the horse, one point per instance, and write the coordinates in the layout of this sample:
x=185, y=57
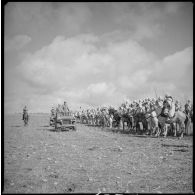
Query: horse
x=84, y=119
x=156, y=120
x=106, y=118
x=174, y=116
x=140, y=118
x=128, y=118
x=25, y=118
x=115, y=117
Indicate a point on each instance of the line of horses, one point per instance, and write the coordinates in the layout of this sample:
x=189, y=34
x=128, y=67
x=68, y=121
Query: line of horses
x=156, y=120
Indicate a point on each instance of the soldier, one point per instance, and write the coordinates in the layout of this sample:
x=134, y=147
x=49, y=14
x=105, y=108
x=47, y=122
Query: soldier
x=168, y=100
x=58, y=109
x=52, y=111
x=65, y=108
x=187, y=107
x=177, y=106
x=25, y=110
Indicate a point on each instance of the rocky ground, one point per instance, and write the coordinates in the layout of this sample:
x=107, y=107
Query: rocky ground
x=40, y=160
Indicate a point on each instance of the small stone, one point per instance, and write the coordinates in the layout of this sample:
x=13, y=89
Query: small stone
x=55, y=183
x=171, y=153
x=103, y=189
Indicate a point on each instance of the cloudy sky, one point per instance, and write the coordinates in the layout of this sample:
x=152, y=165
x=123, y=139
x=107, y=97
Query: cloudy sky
x=95, y=53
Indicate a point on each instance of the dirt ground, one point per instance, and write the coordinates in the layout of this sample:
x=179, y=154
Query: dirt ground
x=40, y=160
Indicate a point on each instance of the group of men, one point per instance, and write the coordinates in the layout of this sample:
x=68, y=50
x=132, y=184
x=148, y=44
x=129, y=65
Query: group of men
x=62, y=109
x=143, y=103
x=166, y=101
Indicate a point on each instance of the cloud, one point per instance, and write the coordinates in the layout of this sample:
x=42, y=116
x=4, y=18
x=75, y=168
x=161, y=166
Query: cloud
x=175, y=72
x=17, y=42
x=173, y=7
x=174, y=67
x=85, y=72
x=42, y=19
x=143, y=20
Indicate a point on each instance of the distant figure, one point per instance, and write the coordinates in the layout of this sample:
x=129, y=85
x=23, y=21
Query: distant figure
x=59, y=109
x=25, y=115
x=65, y=109
x=25, y=110
x=187, y=107
x=52, y=111
x=177, y=106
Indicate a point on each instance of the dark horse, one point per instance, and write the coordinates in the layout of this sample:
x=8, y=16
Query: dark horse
x=25, y=118
x=116, y=116
x=140, y=117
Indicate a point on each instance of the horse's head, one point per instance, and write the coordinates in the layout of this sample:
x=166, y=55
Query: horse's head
x=160, y=103
x=169, y=108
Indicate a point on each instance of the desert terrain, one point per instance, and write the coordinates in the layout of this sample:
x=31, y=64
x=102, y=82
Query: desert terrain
x=38, y=159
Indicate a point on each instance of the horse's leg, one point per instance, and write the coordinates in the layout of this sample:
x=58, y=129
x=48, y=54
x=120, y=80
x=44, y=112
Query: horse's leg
x=187, y=125
x=118, y=124
x=165, y=129
x=157, y=129
x=174, y=126
x=182, y=127
x=145, y=126
x=111, y=123
x=150, y=127
x=129, y=125
x=139, y=128
x=104, y=122
x=123, y=123
x=153, y=127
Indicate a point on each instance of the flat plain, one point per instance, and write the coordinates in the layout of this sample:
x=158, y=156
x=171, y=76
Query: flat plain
x=38, y=159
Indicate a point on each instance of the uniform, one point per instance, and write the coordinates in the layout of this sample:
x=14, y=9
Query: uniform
x=24, y=111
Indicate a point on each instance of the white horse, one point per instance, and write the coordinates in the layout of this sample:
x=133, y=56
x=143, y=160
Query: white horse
x=175, y=116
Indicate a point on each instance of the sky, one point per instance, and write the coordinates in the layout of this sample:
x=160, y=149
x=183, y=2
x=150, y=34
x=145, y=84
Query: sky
x=93, y=54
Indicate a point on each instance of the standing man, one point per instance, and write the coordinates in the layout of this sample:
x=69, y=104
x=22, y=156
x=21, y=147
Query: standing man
x=25, y=110
x=52, y=111
x=188, y=107
x=65, y=109
x=25, y=115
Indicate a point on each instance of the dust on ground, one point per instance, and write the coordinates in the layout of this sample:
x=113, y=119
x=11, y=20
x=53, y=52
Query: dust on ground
x=91, y=159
